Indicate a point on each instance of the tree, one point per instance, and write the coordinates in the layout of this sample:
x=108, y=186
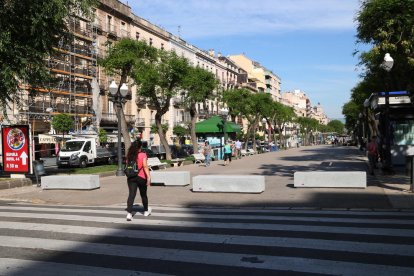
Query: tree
x=62, y=123
x=336, y=126
x=251, y=106
x=125, y=59
x=199, y=85
x=387, y=25
x=159, y=81
x=237, y=101
x=180, y=131
x=103, y=137
x=281, y=115
x=29, y=32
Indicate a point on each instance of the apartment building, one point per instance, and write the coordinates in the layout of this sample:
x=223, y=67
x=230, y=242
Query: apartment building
x=299, y=101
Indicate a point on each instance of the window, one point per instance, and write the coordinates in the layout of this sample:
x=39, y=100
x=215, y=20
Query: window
x=150, y=41
x=137, y=35
x=87, y=147
x=162, y=46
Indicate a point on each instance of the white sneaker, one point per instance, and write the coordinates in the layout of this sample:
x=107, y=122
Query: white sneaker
x=147, y=213
x=129, y=217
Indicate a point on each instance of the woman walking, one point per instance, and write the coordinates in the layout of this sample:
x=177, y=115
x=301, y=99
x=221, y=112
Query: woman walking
x=141, y=181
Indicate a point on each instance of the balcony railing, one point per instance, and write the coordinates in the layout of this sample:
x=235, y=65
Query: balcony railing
x=163, y=121
x=110, y=117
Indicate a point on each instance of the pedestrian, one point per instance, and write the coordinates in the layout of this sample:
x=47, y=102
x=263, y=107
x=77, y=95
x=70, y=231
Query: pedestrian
x=227, y=153
x=140, y=181
x=238, y=146
x=372, y=152
x=207, y=153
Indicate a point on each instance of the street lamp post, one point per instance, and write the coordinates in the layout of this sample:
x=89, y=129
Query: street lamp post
x=269, y=134
x=304, y=137
x=387, y=65
x=119, y=94
x=223, y=114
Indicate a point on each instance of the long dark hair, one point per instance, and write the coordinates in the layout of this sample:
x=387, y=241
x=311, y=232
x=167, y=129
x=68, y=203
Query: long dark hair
x=134, y=149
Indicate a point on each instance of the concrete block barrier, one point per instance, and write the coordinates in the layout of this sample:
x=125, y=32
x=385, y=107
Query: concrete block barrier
x=229, y=183
x=70, y=182
x=332, y=179
x=180, y=178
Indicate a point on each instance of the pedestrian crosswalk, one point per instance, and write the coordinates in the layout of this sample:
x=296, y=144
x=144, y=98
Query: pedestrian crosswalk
x=75, y=240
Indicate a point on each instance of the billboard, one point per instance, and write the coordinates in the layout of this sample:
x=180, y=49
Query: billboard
x=15, y=145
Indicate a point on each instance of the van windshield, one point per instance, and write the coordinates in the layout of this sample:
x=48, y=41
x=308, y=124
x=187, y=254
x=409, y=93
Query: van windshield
x=72, y=146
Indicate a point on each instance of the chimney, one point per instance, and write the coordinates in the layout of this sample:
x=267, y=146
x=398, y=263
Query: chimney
x=218, y=54
x=211, y=52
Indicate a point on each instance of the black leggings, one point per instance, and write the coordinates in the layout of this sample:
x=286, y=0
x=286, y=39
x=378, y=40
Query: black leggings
x=133, y=185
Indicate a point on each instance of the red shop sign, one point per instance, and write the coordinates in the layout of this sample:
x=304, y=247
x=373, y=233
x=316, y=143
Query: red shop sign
x=15, y=145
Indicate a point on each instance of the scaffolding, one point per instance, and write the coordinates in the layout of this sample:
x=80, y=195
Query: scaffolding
x=73, y=67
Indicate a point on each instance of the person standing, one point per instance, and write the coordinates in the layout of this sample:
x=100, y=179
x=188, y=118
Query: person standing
x=372, y=152
x=238, y=146
x=141, y=181
x=207, y=153
x=227, y=153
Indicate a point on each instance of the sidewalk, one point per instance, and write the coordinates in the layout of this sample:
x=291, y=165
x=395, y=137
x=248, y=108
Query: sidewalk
x=383, y=192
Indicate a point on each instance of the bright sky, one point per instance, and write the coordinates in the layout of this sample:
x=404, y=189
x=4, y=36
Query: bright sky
x=307, y=43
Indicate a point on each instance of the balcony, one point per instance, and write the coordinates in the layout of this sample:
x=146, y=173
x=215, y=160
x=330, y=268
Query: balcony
x=109, y=117
x=163, y=121
x=124, y=34
x=112, y=30
x=97, y=24
x=140, y=122
x=140, y=100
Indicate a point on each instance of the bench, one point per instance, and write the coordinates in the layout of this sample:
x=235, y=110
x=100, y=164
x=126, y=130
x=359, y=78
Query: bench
x=155, y=162
x=251, y=151
x=70, y=182
x=229, y=183
x=171, y=178
x=331, y=179
x=199, y=158
x=244, y=153
x=177, y=162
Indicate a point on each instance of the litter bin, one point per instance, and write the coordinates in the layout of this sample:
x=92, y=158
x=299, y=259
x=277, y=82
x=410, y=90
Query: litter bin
x=39, y=170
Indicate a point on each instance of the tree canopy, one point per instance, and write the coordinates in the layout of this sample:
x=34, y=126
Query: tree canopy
x=62, y=123
x=199, y=85
x=159, y=81
x=29, y=32
x=125, y=59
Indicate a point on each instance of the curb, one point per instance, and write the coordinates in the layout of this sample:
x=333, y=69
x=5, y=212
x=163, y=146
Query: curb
x=15, y=183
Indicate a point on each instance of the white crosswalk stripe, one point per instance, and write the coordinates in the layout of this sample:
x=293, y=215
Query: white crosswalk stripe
x=64, y=240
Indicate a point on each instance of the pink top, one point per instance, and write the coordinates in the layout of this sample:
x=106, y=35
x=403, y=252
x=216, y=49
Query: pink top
x=140, y=162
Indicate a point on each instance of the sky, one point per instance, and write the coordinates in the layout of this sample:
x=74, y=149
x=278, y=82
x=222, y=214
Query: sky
x=309, y=44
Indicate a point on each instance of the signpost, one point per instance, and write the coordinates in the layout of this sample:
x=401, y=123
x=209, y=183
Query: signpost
x=15, y=145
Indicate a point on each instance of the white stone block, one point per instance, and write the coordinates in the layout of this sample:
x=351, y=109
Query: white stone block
x=70, y=182
x=331, y=179
x=180, y=178
x=229, y=183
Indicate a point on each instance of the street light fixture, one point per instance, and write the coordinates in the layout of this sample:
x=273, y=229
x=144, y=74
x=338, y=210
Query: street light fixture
x=223, y=112
x=119, y=94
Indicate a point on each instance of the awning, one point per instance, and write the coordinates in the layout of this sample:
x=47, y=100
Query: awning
x=215, y=125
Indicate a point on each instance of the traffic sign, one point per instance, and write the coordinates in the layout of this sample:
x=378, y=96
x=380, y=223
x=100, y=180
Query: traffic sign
x=15, y=145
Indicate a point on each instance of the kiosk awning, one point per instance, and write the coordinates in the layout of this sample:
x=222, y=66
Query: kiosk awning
x=215, y=125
